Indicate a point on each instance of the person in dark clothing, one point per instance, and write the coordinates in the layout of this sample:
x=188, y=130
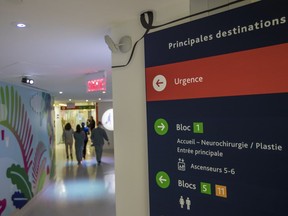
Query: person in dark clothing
x=98, y=135
x=86, y=131
x=79, y=137
x=92, y=123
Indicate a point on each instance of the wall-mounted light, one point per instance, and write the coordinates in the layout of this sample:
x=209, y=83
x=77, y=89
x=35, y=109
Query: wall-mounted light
x=27, y=80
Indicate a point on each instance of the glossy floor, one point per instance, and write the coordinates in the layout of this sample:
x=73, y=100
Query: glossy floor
x=86, y=189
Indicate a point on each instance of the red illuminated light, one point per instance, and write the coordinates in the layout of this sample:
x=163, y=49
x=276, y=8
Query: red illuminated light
x=96, y=85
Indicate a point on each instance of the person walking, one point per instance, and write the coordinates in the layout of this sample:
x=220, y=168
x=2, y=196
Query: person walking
x=98, y=135
x=79, y=137
x=86, y=131
x=92, y=123
x=68, y=140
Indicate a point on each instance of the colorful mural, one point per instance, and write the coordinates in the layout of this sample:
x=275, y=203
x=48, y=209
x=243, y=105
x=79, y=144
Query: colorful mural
x=26, y=145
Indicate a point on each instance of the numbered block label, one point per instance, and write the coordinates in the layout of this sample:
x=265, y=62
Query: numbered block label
x=198, y=127
x=205, y=188
x=221, y=191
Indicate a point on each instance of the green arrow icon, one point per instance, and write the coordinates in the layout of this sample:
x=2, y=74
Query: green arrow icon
x=163, y=179
x=161, y=126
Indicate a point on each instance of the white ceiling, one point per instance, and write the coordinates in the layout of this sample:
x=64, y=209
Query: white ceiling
x=64, y=41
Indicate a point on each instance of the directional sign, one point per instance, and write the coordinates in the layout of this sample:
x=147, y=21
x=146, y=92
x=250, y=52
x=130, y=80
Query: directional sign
x=217, y=98
x=159, y=83
x=163, y=179
x=161, y=126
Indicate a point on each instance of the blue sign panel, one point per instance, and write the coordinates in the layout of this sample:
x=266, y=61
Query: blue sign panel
x=217, y=113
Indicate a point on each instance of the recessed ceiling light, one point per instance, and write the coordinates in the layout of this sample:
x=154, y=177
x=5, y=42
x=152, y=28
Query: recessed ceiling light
x=21, y=25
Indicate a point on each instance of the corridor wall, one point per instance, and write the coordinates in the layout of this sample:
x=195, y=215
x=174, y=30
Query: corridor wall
x=26, y=145
x=130, y=138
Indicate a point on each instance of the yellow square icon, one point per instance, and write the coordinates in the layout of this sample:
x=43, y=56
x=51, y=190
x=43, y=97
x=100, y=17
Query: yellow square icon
x=221, y=191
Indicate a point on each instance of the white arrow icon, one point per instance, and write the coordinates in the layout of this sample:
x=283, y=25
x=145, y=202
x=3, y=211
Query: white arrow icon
x=162, y=126
x=162, y=180
x=159, y=83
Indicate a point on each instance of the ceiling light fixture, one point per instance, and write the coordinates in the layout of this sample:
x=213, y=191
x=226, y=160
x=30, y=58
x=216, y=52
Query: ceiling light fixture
x=21, y=25
x=27, y=80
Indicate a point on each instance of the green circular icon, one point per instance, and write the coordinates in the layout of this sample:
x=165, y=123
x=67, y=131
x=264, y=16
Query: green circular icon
x=161, y=126
x=163, y=179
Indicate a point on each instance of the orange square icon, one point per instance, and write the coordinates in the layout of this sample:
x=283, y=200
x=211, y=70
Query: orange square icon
x=221, y=191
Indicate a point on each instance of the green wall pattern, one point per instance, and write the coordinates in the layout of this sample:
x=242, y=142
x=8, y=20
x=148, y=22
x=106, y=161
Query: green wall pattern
x=24, y=113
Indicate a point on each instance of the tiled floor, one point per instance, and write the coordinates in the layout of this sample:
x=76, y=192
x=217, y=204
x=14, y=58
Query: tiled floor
x=82, y=190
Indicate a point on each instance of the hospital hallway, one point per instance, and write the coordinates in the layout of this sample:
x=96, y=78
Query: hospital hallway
x=86, y=189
